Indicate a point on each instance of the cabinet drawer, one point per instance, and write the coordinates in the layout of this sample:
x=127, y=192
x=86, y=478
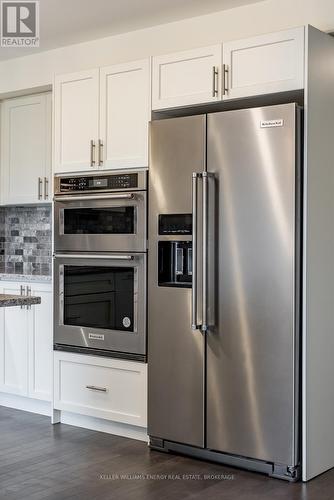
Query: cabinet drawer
x=101, y=387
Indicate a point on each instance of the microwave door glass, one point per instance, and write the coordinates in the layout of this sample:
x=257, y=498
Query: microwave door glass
x=106, y=220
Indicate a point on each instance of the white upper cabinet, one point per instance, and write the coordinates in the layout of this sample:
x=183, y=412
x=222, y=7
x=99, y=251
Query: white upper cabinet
x=76, y=120
x=124, y=115
x=187, y=78
x=26, y=149
x=101, y=118
x=264, y=64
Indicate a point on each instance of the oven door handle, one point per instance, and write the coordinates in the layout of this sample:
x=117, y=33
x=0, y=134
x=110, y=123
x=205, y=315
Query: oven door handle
x=121, y=196
x=93, y=256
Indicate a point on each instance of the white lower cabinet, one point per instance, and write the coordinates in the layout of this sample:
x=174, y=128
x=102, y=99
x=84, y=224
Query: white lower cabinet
x=105, y=388
x=41, y=345
x=15, y=329
x=26, y=344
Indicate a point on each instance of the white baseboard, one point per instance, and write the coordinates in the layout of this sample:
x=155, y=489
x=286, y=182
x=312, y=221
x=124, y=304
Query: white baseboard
x=92, y=423
x=26, y=404
x=99, y=424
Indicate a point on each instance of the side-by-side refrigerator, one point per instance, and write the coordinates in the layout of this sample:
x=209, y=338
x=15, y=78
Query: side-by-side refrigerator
x=224, y=286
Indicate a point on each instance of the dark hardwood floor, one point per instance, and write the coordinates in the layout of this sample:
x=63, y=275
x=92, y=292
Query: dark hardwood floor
x=40, y=461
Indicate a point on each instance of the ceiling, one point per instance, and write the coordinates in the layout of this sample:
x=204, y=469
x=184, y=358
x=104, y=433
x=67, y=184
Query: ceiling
x=64, y=22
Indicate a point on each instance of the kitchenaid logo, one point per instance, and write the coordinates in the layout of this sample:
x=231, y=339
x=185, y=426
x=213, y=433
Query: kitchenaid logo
x=20, y=23
x=272, y=123
x=95, y=336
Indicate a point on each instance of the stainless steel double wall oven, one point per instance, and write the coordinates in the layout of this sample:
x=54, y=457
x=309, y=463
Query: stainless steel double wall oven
x=100, y=263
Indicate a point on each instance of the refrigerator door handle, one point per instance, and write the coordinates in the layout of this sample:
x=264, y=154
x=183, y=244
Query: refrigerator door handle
x=204, y=326
x=194, y=325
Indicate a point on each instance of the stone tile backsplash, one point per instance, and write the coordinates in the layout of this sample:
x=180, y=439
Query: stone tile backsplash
x=25, y=240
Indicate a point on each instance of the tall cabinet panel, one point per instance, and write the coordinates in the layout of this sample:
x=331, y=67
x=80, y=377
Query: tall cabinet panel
x=76, y=120
x=125, y=106
x=26, y=149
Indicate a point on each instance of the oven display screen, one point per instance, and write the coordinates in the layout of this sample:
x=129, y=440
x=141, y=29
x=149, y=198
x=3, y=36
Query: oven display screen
x=99, y=183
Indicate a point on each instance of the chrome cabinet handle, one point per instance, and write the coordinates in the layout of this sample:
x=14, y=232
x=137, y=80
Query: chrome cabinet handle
x=96, y=388
x=100, y=159
x=225, y=79
x=46, y=188
x=74, y=197
x=93, y=256
x=92, y=153
x=214, y=81
x=39, y=188
x=28, y=293
x=194, y=325
x=205, y=251
x=21, y=293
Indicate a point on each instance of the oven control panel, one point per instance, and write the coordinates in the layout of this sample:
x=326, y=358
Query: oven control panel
x=108, y=182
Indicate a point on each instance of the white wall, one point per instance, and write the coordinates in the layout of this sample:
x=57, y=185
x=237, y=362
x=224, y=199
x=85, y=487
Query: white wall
x=270, y=15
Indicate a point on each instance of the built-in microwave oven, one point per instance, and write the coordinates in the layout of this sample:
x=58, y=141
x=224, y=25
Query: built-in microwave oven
x=100, y=212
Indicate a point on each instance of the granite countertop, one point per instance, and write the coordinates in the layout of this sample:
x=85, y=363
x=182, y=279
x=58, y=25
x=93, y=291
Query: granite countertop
x=7, y=300
x=25, y=277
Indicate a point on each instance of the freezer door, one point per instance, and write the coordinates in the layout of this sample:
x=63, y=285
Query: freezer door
x=252, y=352
x=175, y=352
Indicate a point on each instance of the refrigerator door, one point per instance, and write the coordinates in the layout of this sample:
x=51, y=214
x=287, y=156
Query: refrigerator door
x=175, y=352
x=252, y=364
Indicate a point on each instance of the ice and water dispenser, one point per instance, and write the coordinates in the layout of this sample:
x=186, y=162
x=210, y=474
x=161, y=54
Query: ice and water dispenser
x=175, y=256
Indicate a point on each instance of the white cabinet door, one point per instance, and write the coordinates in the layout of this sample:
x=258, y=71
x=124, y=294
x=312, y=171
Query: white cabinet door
x=41, y=345
x=124, y=115
x=15, y=328
x=76, y=120
x=100, y=387
x=265, y=64
x=186, y=78
x=26, y=149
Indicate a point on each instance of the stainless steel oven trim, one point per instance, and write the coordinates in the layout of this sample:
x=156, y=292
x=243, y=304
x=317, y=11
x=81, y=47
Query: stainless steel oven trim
x=133, y=342
x=142, y=181
x=110, y=196
x=135, y=242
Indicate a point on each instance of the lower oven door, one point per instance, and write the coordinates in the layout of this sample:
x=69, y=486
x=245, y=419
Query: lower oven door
x=100, y=301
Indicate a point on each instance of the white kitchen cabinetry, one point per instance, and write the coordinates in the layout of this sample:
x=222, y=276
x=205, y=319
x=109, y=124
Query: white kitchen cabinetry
x=15, y=329
x=124, y=114
x=26, y=149
x=100, y=387
x=76, y=120
x=101, y=118
x=26, y=343
x=187, y=78
x=265, y=64
x=41, y=344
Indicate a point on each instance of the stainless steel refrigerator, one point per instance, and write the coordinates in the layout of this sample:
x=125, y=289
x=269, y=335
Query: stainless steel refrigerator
x=223, y=287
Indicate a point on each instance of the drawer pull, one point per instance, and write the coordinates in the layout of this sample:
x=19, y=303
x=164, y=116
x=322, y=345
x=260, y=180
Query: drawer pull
x=96, y=388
